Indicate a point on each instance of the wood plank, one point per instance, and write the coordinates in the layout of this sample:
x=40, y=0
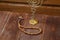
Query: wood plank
x=51, y=2
x=15, y=0
x=26, y=8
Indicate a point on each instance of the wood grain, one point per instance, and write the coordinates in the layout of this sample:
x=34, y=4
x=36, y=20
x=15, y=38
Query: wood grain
x=48, y=10
x=49, y=24
x=50, y=2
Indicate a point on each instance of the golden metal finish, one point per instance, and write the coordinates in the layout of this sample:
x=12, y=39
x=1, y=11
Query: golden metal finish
x=36, y=2
x=33, y=21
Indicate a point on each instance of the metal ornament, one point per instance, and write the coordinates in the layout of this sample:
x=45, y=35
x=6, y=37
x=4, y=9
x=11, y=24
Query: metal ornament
x=23, y=29
x=33, y=21
x=33, y=3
